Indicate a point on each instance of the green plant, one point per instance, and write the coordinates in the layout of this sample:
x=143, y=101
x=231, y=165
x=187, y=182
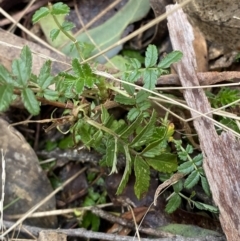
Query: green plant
x=192, y=168
x=88, y=98
x=225, y=97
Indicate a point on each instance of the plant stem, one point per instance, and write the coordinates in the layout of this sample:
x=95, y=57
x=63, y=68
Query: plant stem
x=75, y=42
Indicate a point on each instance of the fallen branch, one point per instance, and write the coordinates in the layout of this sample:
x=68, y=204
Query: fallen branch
x=81, y=232
x=221, y=153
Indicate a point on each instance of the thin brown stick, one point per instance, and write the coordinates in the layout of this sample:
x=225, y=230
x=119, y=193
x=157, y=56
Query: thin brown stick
x=114, y=219
x=81, y=232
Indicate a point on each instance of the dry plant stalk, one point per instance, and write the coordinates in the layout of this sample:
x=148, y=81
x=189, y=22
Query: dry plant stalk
x=221, y=153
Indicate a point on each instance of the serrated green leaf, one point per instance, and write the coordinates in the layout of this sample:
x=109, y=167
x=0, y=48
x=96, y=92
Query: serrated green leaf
x=205, y=185
x=171, y=58
x=50, y=94
x=6, y=97
x=203, y=206
x=118, y=125
x=189, y=149
x=150, y=79
x=183, y=155
x=160, y=133
x=54, y=33
x=122, y=99
x=60, y=8
x=127, y=171
x=131, y=128
x=198, y=159
x=133, y=76
x=173, y=203
x=165, y=162
x=177, y=187
x=66, y=85
x=152, y=149
x=89, y=77
x=186, y=167
x=151, y=56
x=67, y=26
x=39, y=14
x=144, y=134
x=142, y=174
x=144, y=105
x=86, y=49
x=142, y=96
x=84, y=73
x=104, y=115
x=192, y=179
x=79, y=86
x=30, y=101
x=5, y=76
x=77, y=67
x=135, y=63
x=97, y=139
x=130, y=89
x=45, y=79
x=133, y=114
x=84, y=131
x=21, y=68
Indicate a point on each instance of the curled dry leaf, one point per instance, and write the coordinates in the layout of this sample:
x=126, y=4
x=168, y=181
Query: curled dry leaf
x=174, y=179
